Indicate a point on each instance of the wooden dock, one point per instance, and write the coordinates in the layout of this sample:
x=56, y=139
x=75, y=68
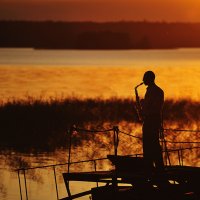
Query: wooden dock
x=129, y=180
x=176, y=183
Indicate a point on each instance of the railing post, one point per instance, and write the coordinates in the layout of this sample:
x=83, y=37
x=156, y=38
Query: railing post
x=179, y=158
x=20, y=188
x=116, y=139
x=69, y=151
x=54, y=171
x=25, y=184
x=95, y=169
x=71, y=130
x=164, y=146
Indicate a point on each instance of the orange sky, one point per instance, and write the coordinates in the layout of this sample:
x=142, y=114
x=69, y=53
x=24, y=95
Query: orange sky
x=101, y=10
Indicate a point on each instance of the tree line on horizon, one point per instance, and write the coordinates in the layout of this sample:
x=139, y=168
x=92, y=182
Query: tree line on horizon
x=93, y=35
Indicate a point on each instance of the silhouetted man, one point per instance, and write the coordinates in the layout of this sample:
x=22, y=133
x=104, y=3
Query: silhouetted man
x=152, y=118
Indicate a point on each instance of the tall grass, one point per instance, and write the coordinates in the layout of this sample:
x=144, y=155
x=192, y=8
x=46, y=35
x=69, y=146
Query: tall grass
x=40, y=123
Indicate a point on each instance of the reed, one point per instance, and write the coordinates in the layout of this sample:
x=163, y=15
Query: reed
x=42, y=123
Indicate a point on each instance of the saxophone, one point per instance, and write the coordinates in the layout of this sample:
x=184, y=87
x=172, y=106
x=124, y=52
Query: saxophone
x=138, y=106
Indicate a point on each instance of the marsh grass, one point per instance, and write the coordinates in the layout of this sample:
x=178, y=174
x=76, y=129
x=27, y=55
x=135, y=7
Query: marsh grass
x=43, y=123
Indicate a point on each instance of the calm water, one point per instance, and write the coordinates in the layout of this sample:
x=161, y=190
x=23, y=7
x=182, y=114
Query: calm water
x=47, y=73
x=44, y=73
x=40, y=182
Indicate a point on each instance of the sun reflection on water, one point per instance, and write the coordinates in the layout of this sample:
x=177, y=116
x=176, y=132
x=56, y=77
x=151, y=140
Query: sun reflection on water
x=58, y=81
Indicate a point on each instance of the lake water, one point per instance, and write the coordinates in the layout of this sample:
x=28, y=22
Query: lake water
x=40, y=182
x=63, y=73
x=45, y=73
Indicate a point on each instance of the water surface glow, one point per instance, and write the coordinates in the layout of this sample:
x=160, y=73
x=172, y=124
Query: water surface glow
x=89, y=74
x=27, y=72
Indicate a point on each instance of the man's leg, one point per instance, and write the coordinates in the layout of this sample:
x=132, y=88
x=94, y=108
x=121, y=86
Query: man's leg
x=158, y=158
x=147, y=149
x=162, y=180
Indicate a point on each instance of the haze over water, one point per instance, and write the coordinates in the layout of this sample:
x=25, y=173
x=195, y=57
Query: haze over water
x=56, y=73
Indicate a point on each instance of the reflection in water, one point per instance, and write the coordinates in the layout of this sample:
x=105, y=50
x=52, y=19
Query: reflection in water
x=57, y=81
x=96, y=73
x=41, y=181
x=16, y=162
x=3, y=189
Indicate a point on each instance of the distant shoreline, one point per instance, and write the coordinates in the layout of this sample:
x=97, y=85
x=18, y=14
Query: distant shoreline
x=99, y=36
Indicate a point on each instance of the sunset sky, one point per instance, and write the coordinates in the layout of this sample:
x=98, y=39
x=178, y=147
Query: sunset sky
x=101, y=10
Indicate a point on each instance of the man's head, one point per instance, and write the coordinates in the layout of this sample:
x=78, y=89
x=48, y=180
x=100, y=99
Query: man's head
x=148, y=78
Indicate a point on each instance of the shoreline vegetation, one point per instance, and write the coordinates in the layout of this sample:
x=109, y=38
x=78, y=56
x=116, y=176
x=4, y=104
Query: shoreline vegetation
x=93, y=35
x=42, y=124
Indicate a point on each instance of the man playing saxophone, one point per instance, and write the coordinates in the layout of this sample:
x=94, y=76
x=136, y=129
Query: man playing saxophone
x=151, y=114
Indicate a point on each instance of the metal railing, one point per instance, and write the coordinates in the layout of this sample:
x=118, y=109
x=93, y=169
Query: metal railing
x=23, y=170
x=116, y=133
